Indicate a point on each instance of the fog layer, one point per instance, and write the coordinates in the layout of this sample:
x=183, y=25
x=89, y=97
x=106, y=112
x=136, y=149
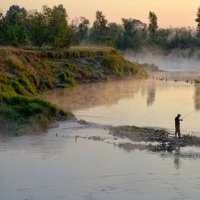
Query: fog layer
x=175, y=60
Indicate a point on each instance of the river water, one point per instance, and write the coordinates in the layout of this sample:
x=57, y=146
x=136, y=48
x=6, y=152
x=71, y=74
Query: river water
x=64, y=164
x=150, y=103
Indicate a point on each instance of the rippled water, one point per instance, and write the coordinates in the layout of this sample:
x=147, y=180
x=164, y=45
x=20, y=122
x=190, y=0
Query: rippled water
x=64, y=164
x=46, y=167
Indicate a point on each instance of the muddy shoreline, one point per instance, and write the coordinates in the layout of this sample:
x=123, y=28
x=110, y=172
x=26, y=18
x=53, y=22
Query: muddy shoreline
x=164, y=142
x=152, y=140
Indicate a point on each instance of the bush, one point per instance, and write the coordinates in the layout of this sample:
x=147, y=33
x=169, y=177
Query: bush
x=14, y=63
x=71, y=82
x=34, y=79
x=18, y=88
x=8, y=113
x=62, y=76
x=24, y=80
x=27, y=114
x=110, y=62
x=6, y=89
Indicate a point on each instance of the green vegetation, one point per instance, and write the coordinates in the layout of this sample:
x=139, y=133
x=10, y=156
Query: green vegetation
x=19, y=27
x=48, y=64
x=19, y=115
x=198, y=22
x=153, y=26
x=29, y=72
x=136, y=35
x=49, y=28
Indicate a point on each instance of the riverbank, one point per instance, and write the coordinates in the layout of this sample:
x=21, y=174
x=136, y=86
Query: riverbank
x=24, y=115
x=156, y=140
x=132, y=138
x=30, y=72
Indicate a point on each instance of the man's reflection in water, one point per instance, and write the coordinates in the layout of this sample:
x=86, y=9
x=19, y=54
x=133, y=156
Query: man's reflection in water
x=197, y=96
x=177, y=161
x=151, y=94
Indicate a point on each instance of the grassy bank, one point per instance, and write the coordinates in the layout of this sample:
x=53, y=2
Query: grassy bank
x=29, y=72
x=19, y=115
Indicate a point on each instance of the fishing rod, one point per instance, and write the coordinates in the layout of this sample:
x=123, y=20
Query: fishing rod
x=188, y=114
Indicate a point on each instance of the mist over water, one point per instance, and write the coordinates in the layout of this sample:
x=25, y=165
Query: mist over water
x=151, y=103
x=176, y=60
x=59, y=165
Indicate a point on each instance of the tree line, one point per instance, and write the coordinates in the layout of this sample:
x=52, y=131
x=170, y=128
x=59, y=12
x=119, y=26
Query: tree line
x=19, y=27
x=50, y=28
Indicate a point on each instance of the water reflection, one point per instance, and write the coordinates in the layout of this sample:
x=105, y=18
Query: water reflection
x=178, y=155
x=129, y=147
x=197, y=96
x=132, y=102
x=96, y=94
x=151, y=94
x=110, y=93
x=177, y=162
x=107, y=93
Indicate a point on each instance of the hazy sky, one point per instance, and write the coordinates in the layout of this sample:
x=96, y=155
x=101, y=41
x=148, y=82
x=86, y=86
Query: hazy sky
x=174, y=13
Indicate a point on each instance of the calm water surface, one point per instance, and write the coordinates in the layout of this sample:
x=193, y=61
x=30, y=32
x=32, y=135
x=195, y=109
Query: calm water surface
x=46, y=167
x=142, y=103
x=67, y=167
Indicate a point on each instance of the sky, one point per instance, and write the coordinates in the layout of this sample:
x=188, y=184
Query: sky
x=170, y=13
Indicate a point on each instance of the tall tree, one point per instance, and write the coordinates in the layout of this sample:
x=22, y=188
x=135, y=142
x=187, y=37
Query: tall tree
x=181, y=38
x=134, y=33
x=1, y=15
x=198, y=23
x=74, y=29
x=2, y=32
x=13, y=11
x=59, y=31
x=99, y=28
x=16, y=21
x=115, y=32
x=163, y=37
x=153, y=26
x=83, y=29
x=80, y=28
x=38, y=28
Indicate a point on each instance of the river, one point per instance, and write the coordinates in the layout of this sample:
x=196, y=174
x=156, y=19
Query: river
x=64, y=164
x=150, y=103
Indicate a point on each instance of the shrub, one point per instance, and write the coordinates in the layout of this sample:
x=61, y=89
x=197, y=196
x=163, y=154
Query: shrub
x=27, y=114
x=8, y=113
x=14, y=63
x=110, y=62
x=18, y=88
x=71, y=82
x=62, y=76
x=25, y=81
x=34, y=79
x=6, y=89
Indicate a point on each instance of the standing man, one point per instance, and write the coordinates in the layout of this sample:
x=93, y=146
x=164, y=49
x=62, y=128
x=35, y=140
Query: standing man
x=177, y=125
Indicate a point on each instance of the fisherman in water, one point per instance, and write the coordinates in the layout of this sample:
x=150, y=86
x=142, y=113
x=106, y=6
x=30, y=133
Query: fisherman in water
x=177, y=125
